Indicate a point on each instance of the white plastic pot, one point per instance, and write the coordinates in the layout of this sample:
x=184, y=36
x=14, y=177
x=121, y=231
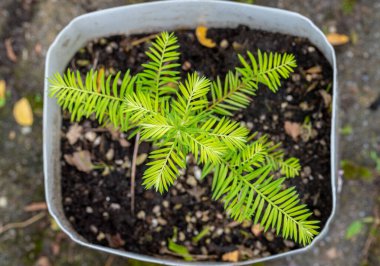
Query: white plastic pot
x=154, y=17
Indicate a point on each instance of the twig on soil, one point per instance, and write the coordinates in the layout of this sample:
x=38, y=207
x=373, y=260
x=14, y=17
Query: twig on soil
x=10, y=52
x=109, y=260
x=22, y=224
x=142, y=40
x=133, y=173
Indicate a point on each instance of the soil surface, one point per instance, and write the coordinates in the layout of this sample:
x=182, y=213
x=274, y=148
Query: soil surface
x=98, y=203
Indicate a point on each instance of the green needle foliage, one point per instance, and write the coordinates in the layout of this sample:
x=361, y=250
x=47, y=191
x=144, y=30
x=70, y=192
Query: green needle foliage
x=192, y=116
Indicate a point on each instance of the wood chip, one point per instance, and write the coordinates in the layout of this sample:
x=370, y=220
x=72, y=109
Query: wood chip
x=9, y=49
x=74, y=133
x=81, y=160
x=337, y=39
x=22, y=112
x=201, y=33
x=35, y=206
x=293, y=129
x=232, y=256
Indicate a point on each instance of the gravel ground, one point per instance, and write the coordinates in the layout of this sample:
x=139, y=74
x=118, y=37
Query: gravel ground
x=31, y=25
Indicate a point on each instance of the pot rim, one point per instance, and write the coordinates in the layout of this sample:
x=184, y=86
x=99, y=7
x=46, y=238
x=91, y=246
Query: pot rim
x=334, y=136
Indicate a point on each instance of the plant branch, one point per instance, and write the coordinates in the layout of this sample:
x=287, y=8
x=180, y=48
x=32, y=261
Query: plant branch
x=22, y=224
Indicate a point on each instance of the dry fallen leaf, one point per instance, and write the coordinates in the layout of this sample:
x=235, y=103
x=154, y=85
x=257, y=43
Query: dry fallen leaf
x=98, y=80
x=81, y=160
x=257, y=229
x=35, y=206
x=9, y=49
x=293, y=129
x=232, y=256
x=22, y=112
x=326, y=97
x=2, y=92
x=74, y=133
x=201, y=33
x=337, y=39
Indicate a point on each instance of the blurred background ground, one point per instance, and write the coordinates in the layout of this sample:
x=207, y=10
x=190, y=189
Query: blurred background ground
x=27, y=27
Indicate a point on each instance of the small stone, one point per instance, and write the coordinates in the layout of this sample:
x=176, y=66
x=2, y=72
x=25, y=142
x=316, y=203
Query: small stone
x=119, y=162
x=237, y=46
x=90, y=136
x=100, y=236
x=289, y=98
x=109, y=155
x=93, y=229
x=219, y=231
x=177, y=206
x=257, y=229
x=162, y=221
x=317, y=213
x=109, y=49
x=269, y=236
x=166, y=204
x=141, y=215
x=26, y=130
x=197, y=173
x=115, y=206
x=68, y=200
x=89, y=210
x=249, y=125
x=191, y=181
x=307, y=170
x=97, y=141
x=156, y=209
x=106, y=215
x=12, y=135
x=154, y=222
x=186, y=65
x=141, y=158
x=224, y=44
x=198, y=214
x=181, y=236
x=3, y=202
x=289, y=244
x=311, y=49
x=275, y=117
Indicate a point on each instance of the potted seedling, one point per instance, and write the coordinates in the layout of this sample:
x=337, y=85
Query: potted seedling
x=143, y=146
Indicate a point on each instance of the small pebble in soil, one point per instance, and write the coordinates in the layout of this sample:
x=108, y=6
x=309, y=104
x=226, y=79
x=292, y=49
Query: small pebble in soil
x=177, y=206
x=90, y=136
x=68, y=200
x=181, y=236
x=93, y=229
x=186, y=65
x=289, y=244
x=166, y=204
x=191, y=181
x=115, y=206
x=97, y=141
x=105, y=215
x=100, y=236
x=249, y=125
x=317, y=212
x=89, y=210
x=109, y=155
x=224, y=44
x=141, y=215
x=269, y=236
x=197, y=172
x=156, y=209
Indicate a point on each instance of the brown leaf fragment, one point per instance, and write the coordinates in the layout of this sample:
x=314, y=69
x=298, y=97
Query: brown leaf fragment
x=326, y=97
x=9, y=49
x=3, y=87
x=35, y=206
x=293, y=129
x=74, y=133
x=314, y=70
x=201, y=33
x=337, y=39
x=81, y=160
x=232, y=256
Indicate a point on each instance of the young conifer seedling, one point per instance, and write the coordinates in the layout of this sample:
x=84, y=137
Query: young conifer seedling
x=193, y=116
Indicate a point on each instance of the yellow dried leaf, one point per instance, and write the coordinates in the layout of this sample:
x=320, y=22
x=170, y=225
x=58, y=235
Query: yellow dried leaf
x=232, y=256
x=337, y=39
x=201, y=33
x=22, y=112
x=98, y=79
x=2, y=92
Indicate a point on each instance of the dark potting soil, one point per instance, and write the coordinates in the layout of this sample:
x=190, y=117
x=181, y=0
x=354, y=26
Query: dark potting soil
x=98, y=203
